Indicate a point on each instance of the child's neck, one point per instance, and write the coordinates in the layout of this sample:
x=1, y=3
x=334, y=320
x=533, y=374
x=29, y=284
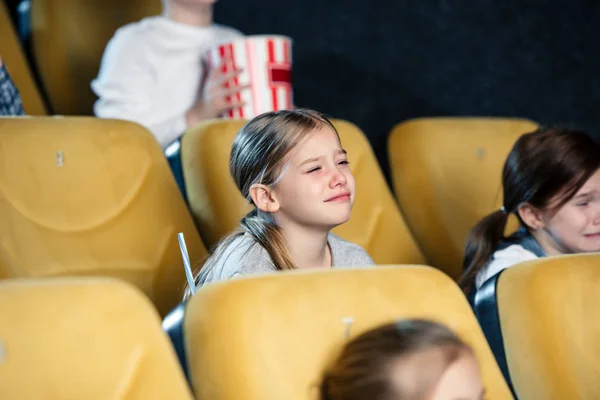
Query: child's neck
x=308, y=248
x=548, y=244
x=197, y=15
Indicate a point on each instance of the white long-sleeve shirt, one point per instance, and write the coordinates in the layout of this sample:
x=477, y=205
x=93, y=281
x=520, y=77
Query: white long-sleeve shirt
x=152, y=71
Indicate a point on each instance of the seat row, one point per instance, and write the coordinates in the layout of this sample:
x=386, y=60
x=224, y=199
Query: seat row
x=263, y=337
x=269, y=337
x=86, y=196
x=445, y=175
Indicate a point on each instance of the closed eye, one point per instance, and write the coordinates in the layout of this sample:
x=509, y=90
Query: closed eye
x=313, y=170
x=582, y=201
x=344, y=162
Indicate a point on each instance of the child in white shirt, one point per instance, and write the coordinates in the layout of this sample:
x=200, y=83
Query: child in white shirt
x=152, y=71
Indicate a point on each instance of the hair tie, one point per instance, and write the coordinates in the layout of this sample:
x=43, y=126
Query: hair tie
x=503, y=209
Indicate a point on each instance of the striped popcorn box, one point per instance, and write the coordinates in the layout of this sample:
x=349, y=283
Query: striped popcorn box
x=266, y=61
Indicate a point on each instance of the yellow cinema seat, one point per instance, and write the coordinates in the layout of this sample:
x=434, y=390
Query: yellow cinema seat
x=270, y=337
x=446, y=174
x=544, y=313
x=68, y=39
x=84, y=338
x=87, y=196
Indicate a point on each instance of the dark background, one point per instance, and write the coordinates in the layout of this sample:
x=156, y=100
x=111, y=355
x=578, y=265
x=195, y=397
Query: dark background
x=379, y=62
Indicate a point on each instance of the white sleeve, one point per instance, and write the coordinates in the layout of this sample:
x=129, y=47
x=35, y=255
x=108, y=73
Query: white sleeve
x=125, y=88
x=503, y=259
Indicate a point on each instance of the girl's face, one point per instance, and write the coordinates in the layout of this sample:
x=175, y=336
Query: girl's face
x=575, y=228
x=317, y=188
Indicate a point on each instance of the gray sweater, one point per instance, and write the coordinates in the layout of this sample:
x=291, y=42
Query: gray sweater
x=244, y=256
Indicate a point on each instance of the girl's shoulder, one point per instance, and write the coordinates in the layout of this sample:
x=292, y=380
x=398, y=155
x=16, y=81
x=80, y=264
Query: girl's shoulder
x=245, y=256
x=502, y=259
x=241, y=255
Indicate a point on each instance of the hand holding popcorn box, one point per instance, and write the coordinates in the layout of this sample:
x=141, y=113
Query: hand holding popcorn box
x=266, y=63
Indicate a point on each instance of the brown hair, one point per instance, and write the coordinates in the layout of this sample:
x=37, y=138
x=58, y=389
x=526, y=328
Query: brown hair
x=545, y=168
x=362, y=370
x=258, y=155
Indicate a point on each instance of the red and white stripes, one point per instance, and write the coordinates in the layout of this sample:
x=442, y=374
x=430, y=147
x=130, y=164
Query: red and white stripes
x=266, y=62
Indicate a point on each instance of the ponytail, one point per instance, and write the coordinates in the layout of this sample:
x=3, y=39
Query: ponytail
x=261, y=227
x=481, y=243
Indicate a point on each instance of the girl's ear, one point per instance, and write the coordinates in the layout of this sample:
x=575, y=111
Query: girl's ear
x=263, y=198
x=531, y=216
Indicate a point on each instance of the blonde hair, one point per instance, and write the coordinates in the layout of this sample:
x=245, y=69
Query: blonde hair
x=258, y=156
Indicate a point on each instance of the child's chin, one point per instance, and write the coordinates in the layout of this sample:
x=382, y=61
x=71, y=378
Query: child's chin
x=343, y=220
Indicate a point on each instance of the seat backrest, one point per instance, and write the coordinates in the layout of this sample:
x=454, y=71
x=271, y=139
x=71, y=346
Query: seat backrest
x=446, y=174
x=486, y=310
x=273, y=335
x=376, y=223
x=549, y=326
x=68, y=40
x=84, y=338
x=88, y=196
x=17, y=66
